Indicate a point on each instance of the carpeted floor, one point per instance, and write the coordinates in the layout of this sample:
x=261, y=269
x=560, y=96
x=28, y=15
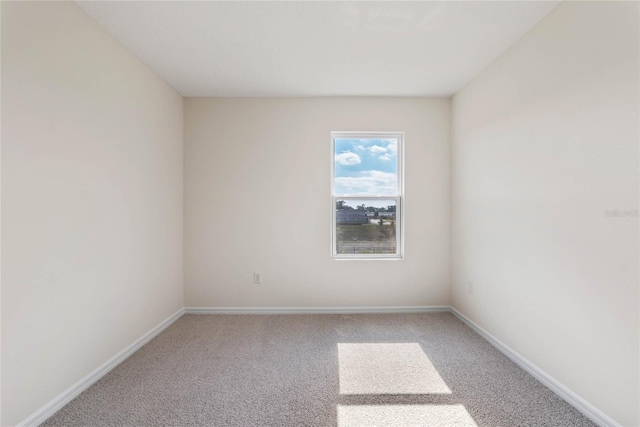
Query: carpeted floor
x=318, y=370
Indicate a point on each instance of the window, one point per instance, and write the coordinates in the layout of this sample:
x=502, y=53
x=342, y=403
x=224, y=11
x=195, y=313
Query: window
x=366, y=199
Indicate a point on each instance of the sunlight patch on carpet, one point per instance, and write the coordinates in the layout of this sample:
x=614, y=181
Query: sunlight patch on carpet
x=387, y=368
x=404, y=415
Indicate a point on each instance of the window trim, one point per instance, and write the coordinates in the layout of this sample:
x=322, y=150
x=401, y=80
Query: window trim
x=398, y=196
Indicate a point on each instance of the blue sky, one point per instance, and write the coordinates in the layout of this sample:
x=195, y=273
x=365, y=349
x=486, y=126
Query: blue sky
x=365, y=166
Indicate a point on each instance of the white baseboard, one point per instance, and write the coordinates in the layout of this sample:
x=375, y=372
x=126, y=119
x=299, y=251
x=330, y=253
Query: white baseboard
x=72, y=392
x=590, y=411
x=315, y=310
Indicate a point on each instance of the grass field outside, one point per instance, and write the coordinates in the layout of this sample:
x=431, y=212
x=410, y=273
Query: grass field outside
x=366, y=238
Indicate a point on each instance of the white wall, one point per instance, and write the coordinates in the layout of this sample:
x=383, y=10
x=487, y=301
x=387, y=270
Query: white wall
x=257, y=199
x=545, y=140
x=92, y=201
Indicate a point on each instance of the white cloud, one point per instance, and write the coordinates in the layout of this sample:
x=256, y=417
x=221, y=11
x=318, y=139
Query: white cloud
x=361, y=147
x=376, y=149
x=369, y=182
x=385, y=157
x=348, y=158
x=393, y=147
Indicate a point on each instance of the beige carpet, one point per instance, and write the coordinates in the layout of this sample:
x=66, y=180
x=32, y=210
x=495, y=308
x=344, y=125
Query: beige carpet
x=318, y=370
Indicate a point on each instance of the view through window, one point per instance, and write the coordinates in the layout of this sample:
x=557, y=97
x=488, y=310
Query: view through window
x=366, y=198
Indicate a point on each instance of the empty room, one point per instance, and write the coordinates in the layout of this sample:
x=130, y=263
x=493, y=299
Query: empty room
x=320, y=213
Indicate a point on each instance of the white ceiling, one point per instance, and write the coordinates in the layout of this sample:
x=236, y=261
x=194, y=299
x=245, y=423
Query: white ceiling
x=317, y=48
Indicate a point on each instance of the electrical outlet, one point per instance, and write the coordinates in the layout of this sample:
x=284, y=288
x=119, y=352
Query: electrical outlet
x=470, y=287
x=257, y=278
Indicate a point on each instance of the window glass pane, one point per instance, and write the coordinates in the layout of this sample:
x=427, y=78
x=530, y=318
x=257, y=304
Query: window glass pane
x=366, y=226
x=365, y=167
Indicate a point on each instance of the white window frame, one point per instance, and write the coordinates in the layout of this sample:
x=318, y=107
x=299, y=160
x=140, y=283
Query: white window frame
x=398, y=197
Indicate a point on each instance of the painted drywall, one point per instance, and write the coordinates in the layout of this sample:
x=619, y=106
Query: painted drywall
x=257, y=199
x=545, y=201
x=92, y=159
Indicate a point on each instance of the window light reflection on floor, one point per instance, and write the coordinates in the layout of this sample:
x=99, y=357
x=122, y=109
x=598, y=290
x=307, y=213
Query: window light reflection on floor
x=404, y=415
x=387, y=368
